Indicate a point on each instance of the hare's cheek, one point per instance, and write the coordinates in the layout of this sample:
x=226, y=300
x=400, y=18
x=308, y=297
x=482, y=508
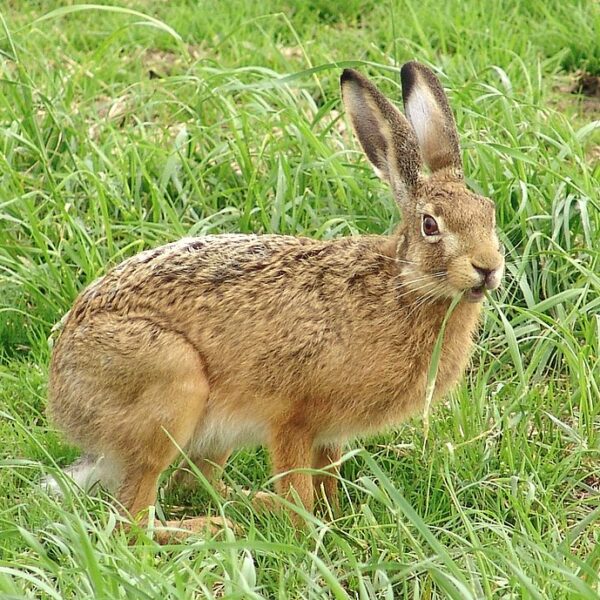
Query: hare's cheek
x=460, y=273
x=435, y=256
x=452, y=246
x=414, y=256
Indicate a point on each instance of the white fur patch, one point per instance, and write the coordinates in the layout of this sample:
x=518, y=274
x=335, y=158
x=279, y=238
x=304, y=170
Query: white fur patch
x=219, y=432
x=85, y=474
x=422, y=112
x=496, y=277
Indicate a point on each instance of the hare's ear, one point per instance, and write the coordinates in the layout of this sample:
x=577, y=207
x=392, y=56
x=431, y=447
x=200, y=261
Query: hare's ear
x=384, y=133
x=428, y=111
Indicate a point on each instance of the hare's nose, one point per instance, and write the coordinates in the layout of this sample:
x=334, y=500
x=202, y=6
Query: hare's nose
x=482, y=271
x=485, y=274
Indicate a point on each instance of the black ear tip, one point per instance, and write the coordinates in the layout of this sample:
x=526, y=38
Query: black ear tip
x=349, y=75
x=408, y=76
x=409, y=67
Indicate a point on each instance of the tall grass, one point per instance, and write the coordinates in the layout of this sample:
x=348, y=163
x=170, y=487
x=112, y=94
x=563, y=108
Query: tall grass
x=122, y=131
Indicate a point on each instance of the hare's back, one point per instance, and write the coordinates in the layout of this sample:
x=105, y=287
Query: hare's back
x=161, y=279
x=208, y=257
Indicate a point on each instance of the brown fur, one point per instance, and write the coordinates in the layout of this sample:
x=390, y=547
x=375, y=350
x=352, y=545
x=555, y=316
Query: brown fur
x=299, y=344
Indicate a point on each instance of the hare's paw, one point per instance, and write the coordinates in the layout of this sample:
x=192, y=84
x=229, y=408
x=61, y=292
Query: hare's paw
x=178, y=531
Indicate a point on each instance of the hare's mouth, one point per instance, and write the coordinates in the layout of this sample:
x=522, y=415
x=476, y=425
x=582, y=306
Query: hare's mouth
x=475, y=294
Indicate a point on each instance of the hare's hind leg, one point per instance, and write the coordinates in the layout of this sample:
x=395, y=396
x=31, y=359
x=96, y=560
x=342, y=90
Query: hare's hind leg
x=172, y=408
x=163, y=395
x=174, y=404
x=133, y=390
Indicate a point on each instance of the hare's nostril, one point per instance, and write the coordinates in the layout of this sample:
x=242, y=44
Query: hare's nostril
x=490, y=278
x=484, y=273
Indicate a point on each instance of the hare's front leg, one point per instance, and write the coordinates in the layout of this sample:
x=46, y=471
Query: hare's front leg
x=291, y=451
x=326, y=458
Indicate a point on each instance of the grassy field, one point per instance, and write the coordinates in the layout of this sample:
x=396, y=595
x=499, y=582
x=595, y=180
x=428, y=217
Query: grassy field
x=120, y=131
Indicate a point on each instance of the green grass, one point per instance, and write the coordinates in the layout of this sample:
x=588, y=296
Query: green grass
x=239, y=129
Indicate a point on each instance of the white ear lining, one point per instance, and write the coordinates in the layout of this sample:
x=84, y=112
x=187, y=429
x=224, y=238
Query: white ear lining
x=422, y=112
x=379, y=172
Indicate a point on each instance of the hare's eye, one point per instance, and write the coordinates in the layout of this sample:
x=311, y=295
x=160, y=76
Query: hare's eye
x=429, y=225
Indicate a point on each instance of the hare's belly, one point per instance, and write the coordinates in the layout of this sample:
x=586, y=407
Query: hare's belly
x=224, y=427
x=235, y=420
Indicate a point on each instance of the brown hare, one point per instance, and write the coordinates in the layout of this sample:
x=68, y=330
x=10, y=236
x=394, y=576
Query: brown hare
x=224, y=341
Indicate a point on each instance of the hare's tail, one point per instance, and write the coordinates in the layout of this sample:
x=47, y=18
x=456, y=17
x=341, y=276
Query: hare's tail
x=87, y=472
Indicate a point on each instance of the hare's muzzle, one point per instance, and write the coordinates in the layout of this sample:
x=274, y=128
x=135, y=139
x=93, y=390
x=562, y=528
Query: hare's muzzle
x=489, y=279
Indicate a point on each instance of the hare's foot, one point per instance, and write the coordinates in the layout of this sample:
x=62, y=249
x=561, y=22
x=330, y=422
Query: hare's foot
x=325, y=484
x=178, y=531
x=260, y=501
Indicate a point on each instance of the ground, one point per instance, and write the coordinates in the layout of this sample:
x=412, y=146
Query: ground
x=133, y=123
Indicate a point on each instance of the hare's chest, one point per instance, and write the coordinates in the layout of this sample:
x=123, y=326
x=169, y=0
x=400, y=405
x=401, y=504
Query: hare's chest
x=367, y=403
x=385, y=387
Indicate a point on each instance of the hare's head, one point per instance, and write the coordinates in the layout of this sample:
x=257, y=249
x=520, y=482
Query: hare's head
x=448, y=243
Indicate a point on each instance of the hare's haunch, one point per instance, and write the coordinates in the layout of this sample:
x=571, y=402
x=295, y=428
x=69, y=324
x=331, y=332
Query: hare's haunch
x=223, y=341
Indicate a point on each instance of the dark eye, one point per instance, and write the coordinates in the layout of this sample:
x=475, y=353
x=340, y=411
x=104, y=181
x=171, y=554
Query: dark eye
x=429, y=225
